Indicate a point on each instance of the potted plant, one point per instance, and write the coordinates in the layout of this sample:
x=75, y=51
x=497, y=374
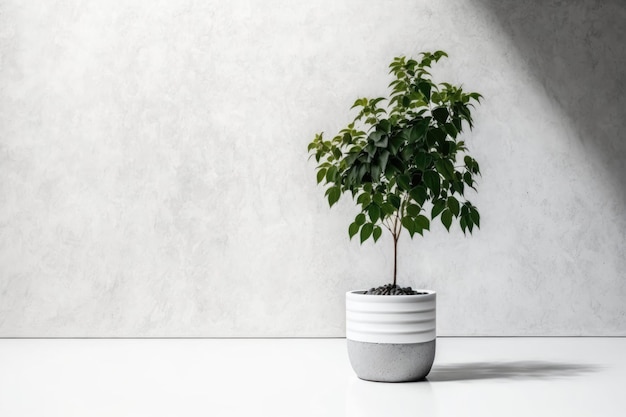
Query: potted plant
x=403, y=161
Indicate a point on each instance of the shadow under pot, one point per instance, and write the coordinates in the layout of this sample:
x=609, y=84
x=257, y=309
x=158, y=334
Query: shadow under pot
x=391, y=338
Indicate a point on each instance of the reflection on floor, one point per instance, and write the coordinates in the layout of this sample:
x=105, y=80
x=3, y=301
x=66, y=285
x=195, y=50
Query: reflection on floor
x=307, y=377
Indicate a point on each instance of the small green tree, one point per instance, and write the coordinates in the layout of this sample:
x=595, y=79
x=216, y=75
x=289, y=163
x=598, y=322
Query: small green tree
x=403, y=158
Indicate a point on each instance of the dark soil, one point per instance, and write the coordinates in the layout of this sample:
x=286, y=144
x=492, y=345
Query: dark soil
x=391, y=289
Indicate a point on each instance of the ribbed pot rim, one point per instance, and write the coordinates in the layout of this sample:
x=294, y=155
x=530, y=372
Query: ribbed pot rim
x=361, y=293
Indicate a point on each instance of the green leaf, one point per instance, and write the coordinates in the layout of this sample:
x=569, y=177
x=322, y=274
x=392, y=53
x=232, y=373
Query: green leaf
x=398, y=88
x=331, y=174
x=476, y=169
x=353, y=229
x=433, y=182
x=457, y=187
x=387, y=209
x=445, y=168
x=475, y=96
x=451, y=129
x=364, y=199
x=333, y=195
x=440, y=114
x=463, y=224
x=378, y=198
x=375, y=172
x=366, y=231
x=376, y=233
x=471, y=165
x=394, y=200
x=438, y=207
x=397, y=164
x=422, y=160
x=321, y=174
x=475, y=216
x=416, y=179
x=383, y=158
x=446, y=219
x=374, y=212
x=465, y=210
x=453, y=205
x=382, y=143
x=445, y=185
x=422, y=222
x=407, y=153
x=395, y=142
x=409, y=225
x=359, y=219
x=404, y=182
x=435, y=135
x=417, y=132
x=351, y=179
x=384, y=124
x=424, y=88
x=439, y=54
x=405, y=133
x=359, y=102
x=419, y=194
x=362, y=172
x=456, y=121
x=413, y=210
x=467, y=177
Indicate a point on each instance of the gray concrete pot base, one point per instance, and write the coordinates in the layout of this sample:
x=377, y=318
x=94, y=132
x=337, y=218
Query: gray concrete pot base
x=391, y=362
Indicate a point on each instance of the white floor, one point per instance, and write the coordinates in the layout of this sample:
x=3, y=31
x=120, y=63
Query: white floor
x=307, y=377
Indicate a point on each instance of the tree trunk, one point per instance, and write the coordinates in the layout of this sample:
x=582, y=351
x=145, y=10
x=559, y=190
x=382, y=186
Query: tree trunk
x=395, y=258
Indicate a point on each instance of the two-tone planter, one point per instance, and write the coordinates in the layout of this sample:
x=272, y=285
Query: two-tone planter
x=391, y=338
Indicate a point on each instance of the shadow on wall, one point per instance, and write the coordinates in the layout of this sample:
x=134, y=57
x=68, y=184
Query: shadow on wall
x=575, y=49
x=506, y=370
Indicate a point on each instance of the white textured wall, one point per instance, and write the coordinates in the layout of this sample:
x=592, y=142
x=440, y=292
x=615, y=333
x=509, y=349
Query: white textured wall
x=154, y=178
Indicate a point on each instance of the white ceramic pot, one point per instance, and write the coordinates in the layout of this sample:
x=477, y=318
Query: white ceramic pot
x=391, y=338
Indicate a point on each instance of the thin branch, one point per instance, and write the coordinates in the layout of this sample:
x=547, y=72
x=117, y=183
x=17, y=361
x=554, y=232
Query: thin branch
x=387, y=226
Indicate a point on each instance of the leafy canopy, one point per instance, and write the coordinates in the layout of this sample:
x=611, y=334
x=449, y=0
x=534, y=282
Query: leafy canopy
x=402, y=155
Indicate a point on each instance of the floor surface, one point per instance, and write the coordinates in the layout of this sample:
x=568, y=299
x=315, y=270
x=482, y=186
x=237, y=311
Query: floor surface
x=307, y=377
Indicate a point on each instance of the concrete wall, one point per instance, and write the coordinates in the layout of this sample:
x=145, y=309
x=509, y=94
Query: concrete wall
x=154, y=177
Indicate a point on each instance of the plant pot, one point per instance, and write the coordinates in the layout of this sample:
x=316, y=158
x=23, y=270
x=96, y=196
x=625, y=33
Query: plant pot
x=391, y=338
